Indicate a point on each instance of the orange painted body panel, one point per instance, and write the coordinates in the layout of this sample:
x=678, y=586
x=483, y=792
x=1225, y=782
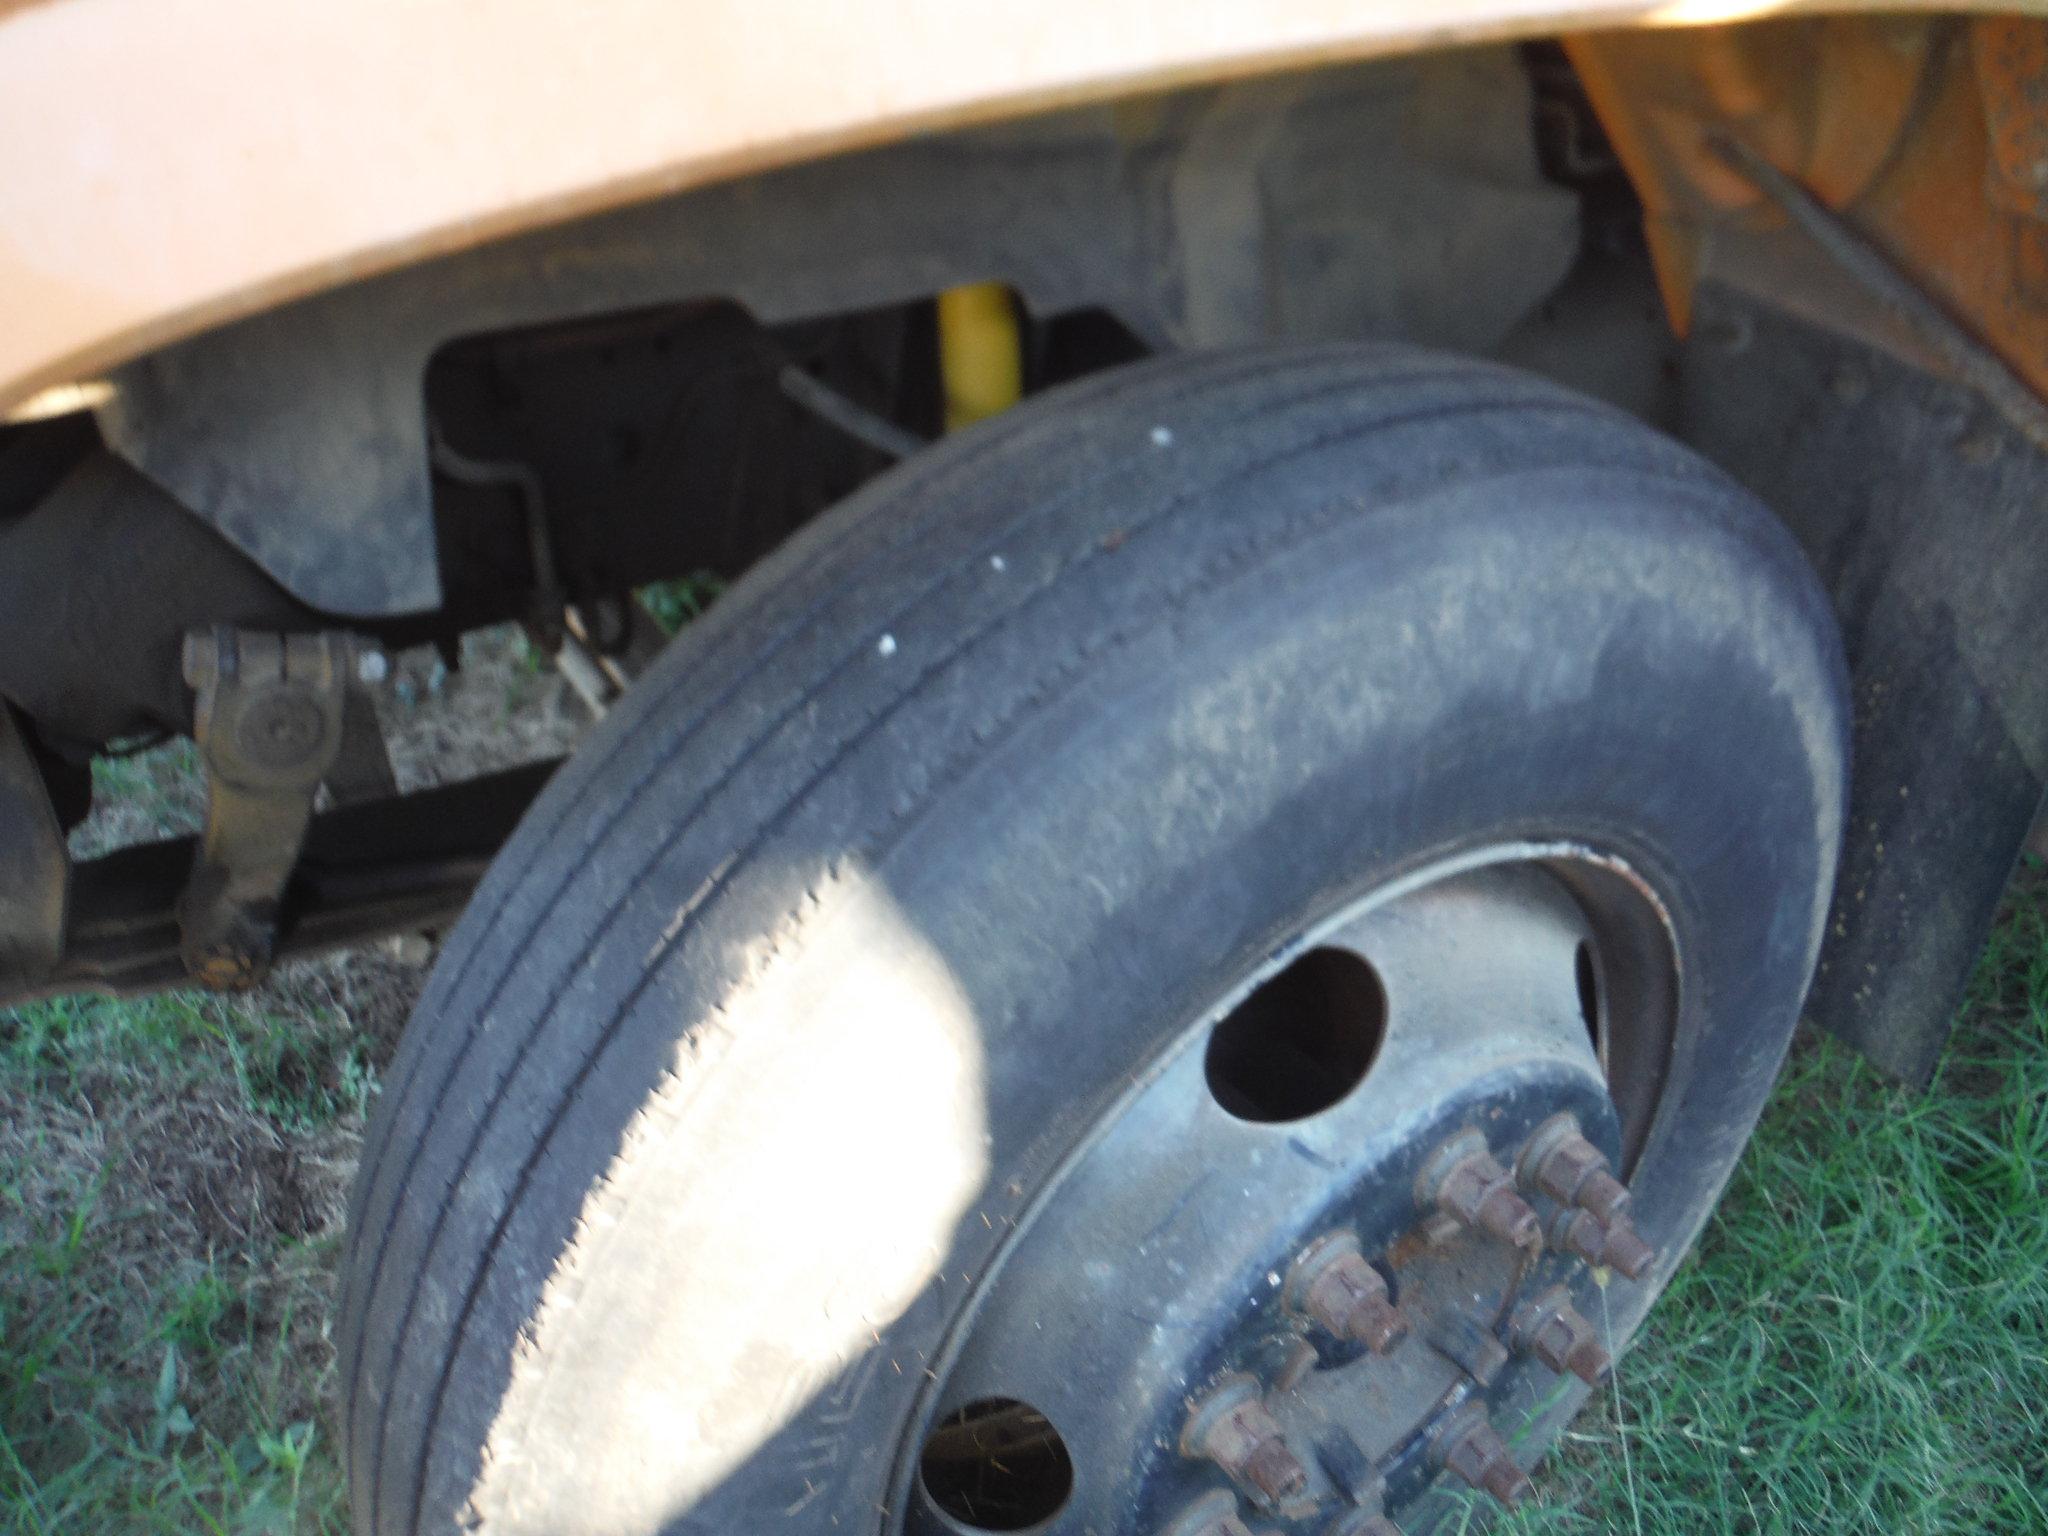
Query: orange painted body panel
x=1928, y=136
x=166, y=165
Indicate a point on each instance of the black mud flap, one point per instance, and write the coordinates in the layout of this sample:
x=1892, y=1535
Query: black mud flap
x=1922, y=509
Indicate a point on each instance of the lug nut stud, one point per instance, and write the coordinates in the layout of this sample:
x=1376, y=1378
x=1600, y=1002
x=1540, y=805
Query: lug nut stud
x=1560, y=1162
x=1233, y=1428
x=1580, y=1234
x=1552, y=1330
x=1464, y=1182
x=1333, y=1286
x=1626, y=1251
x=1472, y=1449
x=1618, y=1247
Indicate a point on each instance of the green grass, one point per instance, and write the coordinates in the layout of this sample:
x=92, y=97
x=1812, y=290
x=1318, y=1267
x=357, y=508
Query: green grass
x=675, y=603
x=165, y=1260
x=1860, y=1344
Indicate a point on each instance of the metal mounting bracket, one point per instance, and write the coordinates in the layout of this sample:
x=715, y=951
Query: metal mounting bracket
x=269, y=723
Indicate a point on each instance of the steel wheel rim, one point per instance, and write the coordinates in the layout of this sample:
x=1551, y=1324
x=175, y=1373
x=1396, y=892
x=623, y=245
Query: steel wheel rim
x=1103, y=1314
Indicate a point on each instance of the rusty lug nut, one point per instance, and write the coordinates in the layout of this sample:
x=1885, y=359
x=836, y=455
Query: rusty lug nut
x=1558, y=1161
x=1626, y=1251
x=1213, y=1514
x=1233, y=1428
x=1464, y=1182
x=1618, y=1247
x=1579, y=1233
x=1333, y=1286
x=1472, y=1449
x=1274, y=1473
x=1556, y=1333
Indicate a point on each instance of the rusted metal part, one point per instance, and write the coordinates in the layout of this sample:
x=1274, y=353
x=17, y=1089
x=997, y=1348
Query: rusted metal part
x=1554, y=1331
x=1213, y=1514
x=1333, y=1286
x=1464, y=1182
x=1618, y=1247
x=1626, y=1251
x=1912, y=146
x=37, y=868
x=268, y=723
x=1253, y=1295
x=1965, y=355
x=1471, y=1449
x=1656, y=95
x=1558, y=1161
x=364, y=872
x=2011, y=58
x=1233, y=1428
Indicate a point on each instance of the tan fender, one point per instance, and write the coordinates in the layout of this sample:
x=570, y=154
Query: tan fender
x=166, y=165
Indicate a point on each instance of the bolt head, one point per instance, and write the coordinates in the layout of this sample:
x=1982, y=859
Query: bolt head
x=1334, y=1286
x=1544, y=1140
x=1558, y=1161
x=1554, y=1331
x=1463, y=1181
x=1438, y=1169
x=1470, y=1448
x=1275, y=1472
x=1233, y=1428
x=1209, y=1418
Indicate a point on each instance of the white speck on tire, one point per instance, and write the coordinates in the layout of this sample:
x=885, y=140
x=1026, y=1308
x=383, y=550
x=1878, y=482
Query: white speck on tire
x=998, y=563
x=886, y=646
x=1162, y=437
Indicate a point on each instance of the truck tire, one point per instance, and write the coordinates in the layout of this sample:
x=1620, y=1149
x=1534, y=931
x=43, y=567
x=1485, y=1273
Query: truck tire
x=904, y=1074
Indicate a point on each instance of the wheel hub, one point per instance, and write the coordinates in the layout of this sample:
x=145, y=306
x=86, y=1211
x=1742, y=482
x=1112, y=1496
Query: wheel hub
x=1287, y=1276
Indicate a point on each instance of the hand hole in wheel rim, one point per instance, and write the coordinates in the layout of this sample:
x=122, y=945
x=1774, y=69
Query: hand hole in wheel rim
x=997, y=1465
x=1301, y=1041
x=1588, y=979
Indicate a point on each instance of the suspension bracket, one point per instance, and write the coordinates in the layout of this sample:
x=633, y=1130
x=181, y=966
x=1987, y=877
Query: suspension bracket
x=269, y=722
